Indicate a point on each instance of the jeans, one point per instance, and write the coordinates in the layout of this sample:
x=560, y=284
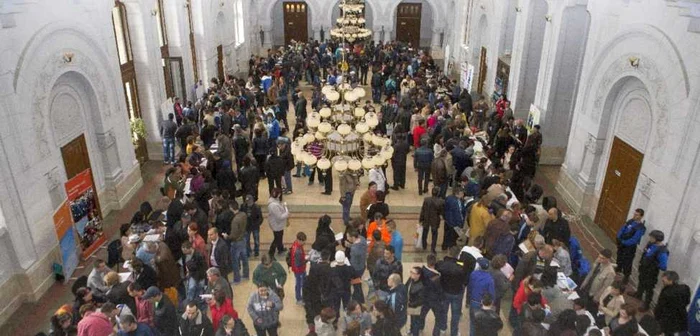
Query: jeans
x=347, y=203
x=269, y=331
x=168, y=150
x=443, y=190
x=417, y=324
x=276, y=243
x=453, y=302
x=440, y=321
x=239, y=255
x=423, y=180
x=288, y=180
x=376, y=95
x=256, y=239
x=298, y=285
x=473, y=307
x=434, y=237
x=194, y=290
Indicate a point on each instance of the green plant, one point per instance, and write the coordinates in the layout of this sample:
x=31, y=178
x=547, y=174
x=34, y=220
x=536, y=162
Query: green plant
x=138, y=130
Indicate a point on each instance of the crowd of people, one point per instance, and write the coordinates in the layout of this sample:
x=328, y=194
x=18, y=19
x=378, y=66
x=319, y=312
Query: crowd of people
x=185, y=254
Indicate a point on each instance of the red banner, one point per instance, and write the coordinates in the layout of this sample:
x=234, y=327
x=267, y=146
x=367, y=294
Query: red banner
x=82, y=199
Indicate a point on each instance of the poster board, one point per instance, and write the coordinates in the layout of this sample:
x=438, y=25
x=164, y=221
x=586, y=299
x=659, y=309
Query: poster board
x=502, y=78
x=82, y=201
x=63, y=224
x=466, y=76
x=533, y=118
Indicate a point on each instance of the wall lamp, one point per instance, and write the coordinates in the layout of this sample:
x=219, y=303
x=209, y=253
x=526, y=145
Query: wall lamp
x=518, y=9
x=548, y=18
x=68, y=57
x=634, y=62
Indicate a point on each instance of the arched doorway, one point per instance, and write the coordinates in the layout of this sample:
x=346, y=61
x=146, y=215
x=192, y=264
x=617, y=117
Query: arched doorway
x=128, y=73
x=414, y=23
x=532, y=54
x=221, y=34
x=480, y=53
x=628, y=118
x=291, y=20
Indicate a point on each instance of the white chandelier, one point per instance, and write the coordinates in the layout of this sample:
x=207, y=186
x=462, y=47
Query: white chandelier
x=351, y=26
x=345, y=129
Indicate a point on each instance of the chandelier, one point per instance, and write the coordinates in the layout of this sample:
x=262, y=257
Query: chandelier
x=351, y=25
x=343, y=128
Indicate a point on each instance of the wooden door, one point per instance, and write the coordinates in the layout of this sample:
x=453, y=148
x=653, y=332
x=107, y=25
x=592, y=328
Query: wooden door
x=76, y=159
x=408, y=16
x=295, y=22
x=618, y=188
x=177, y=75
x=220, y=62
x=482, y=71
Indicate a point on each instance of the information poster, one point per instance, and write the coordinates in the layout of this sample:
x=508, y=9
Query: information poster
x=63, y=223
x=85, y=213
x=533, y=118
x=466, y=76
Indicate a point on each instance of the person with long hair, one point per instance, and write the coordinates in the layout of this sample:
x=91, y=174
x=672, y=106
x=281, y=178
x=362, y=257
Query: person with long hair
x=624, y=324
x=385, y=324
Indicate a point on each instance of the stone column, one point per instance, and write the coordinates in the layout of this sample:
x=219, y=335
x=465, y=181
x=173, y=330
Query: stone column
x=517, y=61
x=435, y=48
x=267, y=35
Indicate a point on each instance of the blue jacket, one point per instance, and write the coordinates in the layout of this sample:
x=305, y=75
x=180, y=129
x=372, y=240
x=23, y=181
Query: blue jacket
x=274, y=131
x=423, y=158
x=480, y=283
x=397, y=243
x=455, y=211
x=661, y=258
x=398, y=301
x=627, y=229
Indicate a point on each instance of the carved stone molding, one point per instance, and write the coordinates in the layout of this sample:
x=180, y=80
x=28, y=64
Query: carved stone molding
x=646, y=185
x=53, y=178
x=106, y=140
x=594, y=145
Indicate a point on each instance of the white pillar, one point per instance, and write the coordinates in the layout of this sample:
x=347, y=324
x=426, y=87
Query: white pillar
x=519, y=44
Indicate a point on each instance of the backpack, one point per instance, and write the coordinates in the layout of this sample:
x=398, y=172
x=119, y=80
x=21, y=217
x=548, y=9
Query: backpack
x=288, y=257
x=114, y=253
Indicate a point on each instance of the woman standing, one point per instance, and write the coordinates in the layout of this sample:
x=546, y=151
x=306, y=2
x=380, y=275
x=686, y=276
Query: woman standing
x=611, y=301
x=625, y=324
x=278, y=213
x=415, y=290
x=385, y=324
x=264, y=307
x=221, y=306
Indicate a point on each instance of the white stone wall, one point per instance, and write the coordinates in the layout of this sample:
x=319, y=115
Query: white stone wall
x=383, y=14
x=47, y=99
x=654, y=107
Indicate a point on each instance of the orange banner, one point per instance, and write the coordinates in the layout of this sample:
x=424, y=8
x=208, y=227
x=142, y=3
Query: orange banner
x=85, y=213
x=62, y=219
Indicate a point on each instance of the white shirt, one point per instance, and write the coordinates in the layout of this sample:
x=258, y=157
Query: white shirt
x=212, y=257
x=376, y=175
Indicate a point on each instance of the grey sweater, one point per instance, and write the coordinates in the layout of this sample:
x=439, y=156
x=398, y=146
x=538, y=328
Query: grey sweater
x=358, y=255
x=258, y=309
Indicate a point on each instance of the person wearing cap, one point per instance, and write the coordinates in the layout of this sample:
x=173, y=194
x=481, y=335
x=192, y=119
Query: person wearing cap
x=480, y=284
x=601, y=276
x=165, y=315
x=342, y=272
x=654, y=259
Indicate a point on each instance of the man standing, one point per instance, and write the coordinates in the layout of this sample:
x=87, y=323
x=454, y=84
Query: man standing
x=439, y=172
x=455, y=212
x=167, y=132
x=219, y=254
x=601, y=276
x=453, y=279
x=218, y=283
x=487, y=321
x=396, y=239
x=239, y=253
x=628, y=238
x=384, y=268
x=349, y=182
x=670, y=310
x=556, y=227
x=398, y=161
x=479, y=217
x=300, y=107
x=433, y=207
x=165, y=314
x=254, y=219
x=297, y=264
x=358, y=261
x=423, y=160
x=654, y=259
x=481, y=284
x=194, y=323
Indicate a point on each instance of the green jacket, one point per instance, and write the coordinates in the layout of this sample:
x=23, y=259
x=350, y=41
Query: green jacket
x=267, y=275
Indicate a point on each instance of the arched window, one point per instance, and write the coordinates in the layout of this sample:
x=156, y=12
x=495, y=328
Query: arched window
x=193, y=49
x=164, y=49
x=239, y=20
x=128, y=72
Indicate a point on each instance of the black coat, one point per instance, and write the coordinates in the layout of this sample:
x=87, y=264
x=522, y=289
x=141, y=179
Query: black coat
x=222, y=255
x=166, y=317
x=453, y=277
x=487, y=322
x=200, y=326
x=558, y=230
x=147, y=277
x=670, y=310
x=401, y=149
x=119, y=294
x=274, y=167
x=249, y=177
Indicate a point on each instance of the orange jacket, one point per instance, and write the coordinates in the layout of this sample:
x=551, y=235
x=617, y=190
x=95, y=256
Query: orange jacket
x=386, y=236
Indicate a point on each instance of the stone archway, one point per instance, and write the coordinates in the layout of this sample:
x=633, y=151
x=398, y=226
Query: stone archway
x=276, y=26
x=523, y=93
x=429, y=13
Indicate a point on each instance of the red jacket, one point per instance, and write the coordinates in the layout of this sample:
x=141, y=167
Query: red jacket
x=521, y=297
x=95, y=324
x=298, y=266
x=217, y=313
x=417, y=134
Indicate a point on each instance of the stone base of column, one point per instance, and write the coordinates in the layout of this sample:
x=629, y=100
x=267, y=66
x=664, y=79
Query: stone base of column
x=552, y=156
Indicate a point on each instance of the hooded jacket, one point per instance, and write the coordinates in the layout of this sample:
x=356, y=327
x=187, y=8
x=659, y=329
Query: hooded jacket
x=258, y=309
x=277, y=214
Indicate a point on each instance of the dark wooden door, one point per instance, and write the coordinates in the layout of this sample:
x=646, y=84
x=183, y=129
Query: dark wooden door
x=618, y=188
x=76, y=159
x=295, y=22
x=408, y=16
x=483, y=68
x=220, y=62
